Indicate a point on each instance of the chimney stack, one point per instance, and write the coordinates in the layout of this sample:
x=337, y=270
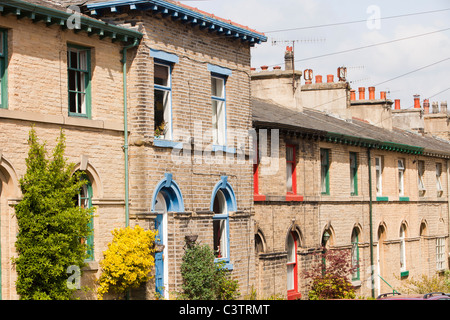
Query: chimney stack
x=362, y=93
x=289, y=58
x=416, y=101
x=397, y=104
x=426, y=106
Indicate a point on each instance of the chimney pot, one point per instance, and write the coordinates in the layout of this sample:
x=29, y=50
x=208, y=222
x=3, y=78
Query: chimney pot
x=362, y=93
x=383, y=95
x=264, y=67
x=308, y=74
x=435, y=107
x=444, y=107
x=330, y=78
x=277, y=68
x=397, y=104
x=426, y=106
x=318, y=79
x=352, y=95
x=342, y=73
x=416, y=101
x=371, y=93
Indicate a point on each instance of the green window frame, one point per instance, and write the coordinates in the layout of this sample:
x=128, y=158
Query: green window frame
x=79, y=81
x=85, y=201
x=324, y=171
x=353, y=173
x=3, y=69
x=355, y=255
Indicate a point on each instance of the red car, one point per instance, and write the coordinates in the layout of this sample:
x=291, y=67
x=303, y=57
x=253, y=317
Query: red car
x=428, y=296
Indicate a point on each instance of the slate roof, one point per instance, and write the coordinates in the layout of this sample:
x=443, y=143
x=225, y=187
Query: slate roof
x=268, y=114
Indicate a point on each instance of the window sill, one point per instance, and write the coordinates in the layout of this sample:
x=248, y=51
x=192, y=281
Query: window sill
x=404, y=274
x=405, y=199
x=226, y=149
x=383, y=199
x=228, y=265
x=166, y=143
x=259, y=197
x=294, y=295
x=294, y=197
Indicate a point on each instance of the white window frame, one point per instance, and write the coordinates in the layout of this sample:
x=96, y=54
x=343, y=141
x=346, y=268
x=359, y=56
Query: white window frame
x=439, y=188
x=420, y=175
x=379, y=175
x=167, y=104
x=401, y=177
x=402, y=248
x=440, y=254
x=219, y=107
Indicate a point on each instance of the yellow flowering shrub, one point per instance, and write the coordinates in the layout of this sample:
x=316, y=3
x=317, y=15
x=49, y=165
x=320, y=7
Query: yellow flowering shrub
x=128, y=261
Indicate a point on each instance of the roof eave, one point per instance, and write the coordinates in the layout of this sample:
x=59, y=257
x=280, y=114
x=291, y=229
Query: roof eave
x=185, y=15
x=50, y=16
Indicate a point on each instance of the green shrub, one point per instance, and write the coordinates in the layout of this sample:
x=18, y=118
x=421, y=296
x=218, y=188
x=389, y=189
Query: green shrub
x=203, y=279
x=331, y=287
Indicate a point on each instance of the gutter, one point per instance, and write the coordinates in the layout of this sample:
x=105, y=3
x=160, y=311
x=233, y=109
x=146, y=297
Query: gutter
x=125, y=124
x=372, y=277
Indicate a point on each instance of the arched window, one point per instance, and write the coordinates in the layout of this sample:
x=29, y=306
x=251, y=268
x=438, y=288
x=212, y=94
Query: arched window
x=355, y=254
x=292, y=266
x=167, y=197
x=220, y=225
x=223, y=201
x=402, y=248
x=84, y=200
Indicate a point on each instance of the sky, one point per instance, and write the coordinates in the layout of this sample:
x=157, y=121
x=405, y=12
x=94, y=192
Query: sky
x=416, y=65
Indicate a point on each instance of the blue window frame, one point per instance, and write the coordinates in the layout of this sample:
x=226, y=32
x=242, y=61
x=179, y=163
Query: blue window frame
x=3, y=69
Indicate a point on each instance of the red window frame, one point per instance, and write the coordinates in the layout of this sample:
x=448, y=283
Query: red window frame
x=256, y=195
x=292, y=196
x=294, y=294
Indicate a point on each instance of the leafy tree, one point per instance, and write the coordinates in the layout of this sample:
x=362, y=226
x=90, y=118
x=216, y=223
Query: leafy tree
x=128, y=261
x=203, y=279
x=329, y=275
x=51, y=225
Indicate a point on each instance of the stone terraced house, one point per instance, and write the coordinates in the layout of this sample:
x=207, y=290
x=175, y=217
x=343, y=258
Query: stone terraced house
x=154, y=98
x=334, y=172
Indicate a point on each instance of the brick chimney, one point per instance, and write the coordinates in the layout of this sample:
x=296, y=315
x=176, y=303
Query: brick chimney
x=289, y=59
